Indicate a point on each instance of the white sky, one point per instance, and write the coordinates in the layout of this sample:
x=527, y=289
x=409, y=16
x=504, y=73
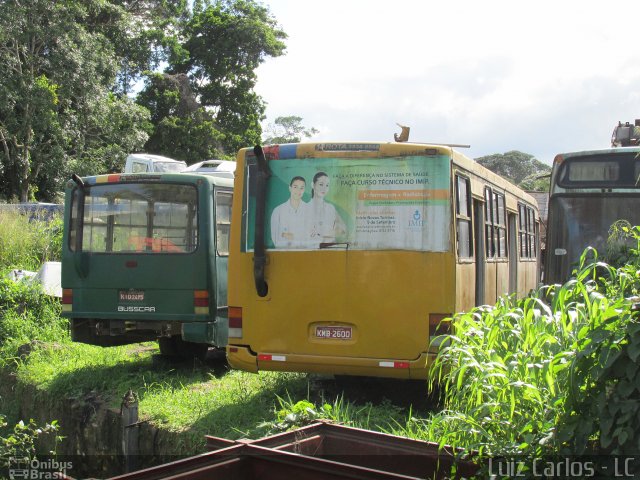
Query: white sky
x=541, y=77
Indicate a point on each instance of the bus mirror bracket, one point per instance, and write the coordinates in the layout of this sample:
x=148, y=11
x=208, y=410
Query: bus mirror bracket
x=259, y=252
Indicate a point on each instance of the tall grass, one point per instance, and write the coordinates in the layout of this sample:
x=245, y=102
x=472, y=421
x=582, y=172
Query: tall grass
x=291, y=414
x=556, y=372
x=27, y=317
x=27, y=244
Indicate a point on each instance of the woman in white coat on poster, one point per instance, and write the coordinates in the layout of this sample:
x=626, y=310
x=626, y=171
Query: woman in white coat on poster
x=326, y=223
x=290, y=220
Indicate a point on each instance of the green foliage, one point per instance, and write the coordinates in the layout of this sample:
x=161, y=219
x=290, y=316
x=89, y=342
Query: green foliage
x=18, y=446
x=67, y=68
x=556, y=372
x=499, y=373
x=519, y=168
x=56, y=99
x=226, y=41
x=603, y=395
x=287, y=130
x=291, y=414
x=27, y=319
x=27, y=244
x=58, y=109
x=620, y=242
x=146, y=33
x=184, y=130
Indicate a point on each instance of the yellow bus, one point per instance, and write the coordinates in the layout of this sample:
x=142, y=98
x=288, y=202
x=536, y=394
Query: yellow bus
x=346, y=257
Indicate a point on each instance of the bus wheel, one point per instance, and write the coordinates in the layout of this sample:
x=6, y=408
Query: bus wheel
x=168, y=346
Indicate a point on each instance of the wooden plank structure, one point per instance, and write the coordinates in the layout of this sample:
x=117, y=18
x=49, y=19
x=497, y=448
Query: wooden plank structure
x=316, y=452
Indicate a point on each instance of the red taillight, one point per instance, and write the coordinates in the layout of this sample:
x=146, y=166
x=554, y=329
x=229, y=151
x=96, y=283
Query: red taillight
x=438, y=325
x=67, y=296
x=201, y=298
x=235, y=322
x=235, y=317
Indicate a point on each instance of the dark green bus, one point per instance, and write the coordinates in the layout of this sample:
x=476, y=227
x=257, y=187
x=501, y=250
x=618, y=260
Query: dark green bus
x=590, y=190
x=145, y=257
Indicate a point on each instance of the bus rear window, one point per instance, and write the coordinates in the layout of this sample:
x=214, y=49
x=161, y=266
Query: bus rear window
x=144, y=218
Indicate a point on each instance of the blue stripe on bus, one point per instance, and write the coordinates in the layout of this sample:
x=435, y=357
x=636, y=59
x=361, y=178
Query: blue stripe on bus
x=288, y=151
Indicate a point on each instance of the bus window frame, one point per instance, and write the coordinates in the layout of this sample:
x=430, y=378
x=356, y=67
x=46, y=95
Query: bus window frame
x=491, y=211
x=223, y=192
x=527, y=230
x=77, y=223
x=621, y=160
x=459, y=217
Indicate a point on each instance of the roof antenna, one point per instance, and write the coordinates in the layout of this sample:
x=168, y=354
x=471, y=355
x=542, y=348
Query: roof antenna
x=404, y=135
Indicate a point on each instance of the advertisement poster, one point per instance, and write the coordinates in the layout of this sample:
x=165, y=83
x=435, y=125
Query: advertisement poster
x=398, y=203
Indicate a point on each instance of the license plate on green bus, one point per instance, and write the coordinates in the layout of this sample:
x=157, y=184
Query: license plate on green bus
x=338, y=333
x=131, y=295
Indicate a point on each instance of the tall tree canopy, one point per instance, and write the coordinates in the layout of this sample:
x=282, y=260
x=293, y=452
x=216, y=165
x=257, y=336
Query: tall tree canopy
x=67, y=67
x=183, y=128
x=224, y=43
x=520, y=168
x=59, y=69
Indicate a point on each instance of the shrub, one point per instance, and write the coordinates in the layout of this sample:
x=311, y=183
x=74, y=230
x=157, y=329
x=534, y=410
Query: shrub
x=27, y=316
x=556, y=372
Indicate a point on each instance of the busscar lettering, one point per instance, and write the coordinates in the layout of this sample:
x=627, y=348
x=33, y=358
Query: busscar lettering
x=132, y=308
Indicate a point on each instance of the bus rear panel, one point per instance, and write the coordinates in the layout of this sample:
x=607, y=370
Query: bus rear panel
x=141, y=259
x=361, y=259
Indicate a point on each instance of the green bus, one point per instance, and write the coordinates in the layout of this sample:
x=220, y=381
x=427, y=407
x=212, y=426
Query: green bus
x=144, y=257
x=590, y=190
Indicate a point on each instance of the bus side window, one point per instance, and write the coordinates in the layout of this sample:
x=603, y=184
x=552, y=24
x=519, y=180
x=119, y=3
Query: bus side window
x=139, y=167
x=463, y=218
x=223, y=221
x=495, y=224
x=527, y=232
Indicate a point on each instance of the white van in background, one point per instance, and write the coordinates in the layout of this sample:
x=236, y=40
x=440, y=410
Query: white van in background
x=147, y=163
x=218, y=168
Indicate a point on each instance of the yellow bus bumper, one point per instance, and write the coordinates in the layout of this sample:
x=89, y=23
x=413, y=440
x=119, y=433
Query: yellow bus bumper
x=242, y=359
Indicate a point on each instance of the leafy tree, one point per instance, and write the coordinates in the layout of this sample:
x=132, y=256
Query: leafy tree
x=520, y=168
x=225, y=42
x=65, y=69
x=145, y=33
x=183, y=128
x=56, y=101
x=288, y=130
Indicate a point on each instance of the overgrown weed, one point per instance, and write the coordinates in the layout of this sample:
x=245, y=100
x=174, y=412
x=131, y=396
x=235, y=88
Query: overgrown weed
x=27, y=244
x=555, y=372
